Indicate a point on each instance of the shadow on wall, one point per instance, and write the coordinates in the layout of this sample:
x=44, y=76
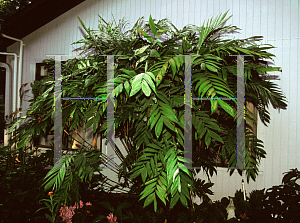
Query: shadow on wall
x=2, y=104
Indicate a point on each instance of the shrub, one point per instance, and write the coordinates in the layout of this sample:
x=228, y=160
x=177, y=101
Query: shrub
x=277, y=204
x=20, y=180
x=150, y=105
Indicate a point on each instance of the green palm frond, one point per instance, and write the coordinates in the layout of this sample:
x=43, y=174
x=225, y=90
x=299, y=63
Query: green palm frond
x=208, y=29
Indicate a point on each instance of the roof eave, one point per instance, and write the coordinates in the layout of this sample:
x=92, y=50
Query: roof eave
x=34, y=16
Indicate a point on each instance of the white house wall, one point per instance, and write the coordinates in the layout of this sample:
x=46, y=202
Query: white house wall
x=276, y=20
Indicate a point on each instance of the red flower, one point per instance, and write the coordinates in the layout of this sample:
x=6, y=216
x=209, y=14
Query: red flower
x=244, y=216
x=111, y=218
x=88, y=204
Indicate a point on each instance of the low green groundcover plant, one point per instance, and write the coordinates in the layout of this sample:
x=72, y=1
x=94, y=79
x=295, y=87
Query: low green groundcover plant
x=277, y=204
x=149, y=117
x=20, y=180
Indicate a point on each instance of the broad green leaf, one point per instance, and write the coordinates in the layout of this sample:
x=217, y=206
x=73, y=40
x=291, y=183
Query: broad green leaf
x=149, y=170
x=170, y=116
x=215, y=136
x=168, y=124
x=211, y=68
x=232, y=161
x=169, y=153
x=153, y=110
x=127, y=86
x=173, y=66
x=158, y=127
x=172, y=167
x=151, y=75
x=137, y=79
x=267, y=69
x=146, y=89
x=207, y=140
x=183, y=168
x=141, y=50
x=118, y=89
x=183, y=200
x=129, y=72
x=211, y=92
x=155, y=204
x=222, y=93
x=162, y=98
x=149, y=199
x=154, y=53
x=149, y=150
x=175, y=174
x=157, y=147
x=161, y=73
x=161, y=194
x=154, y=120
x=174, y=200
x=136, y=84
x=152, y=25
x=203, y=85
x=177, y=62
x=150, y=81
x=143, y=58
x=162, y=181
x=202, y=132
x=226, y=107
x=176, y=186
x=152, y=181
x=152, y=164
x=214, y=106
x=144, y=174
x=205, y=89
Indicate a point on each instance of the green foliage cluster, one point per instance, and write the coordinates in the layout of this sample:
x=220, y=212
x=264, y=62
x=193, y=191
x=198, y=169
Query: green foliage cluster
x=65, y=182
x=149, y=103
x=22, y=187
x=282, y=203
x=277, y=204
x=20, y=180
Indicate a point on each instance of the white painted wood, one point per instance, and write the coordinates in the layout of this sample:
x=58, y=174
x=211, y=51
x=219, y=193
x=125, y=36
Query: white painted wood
x=276, y=20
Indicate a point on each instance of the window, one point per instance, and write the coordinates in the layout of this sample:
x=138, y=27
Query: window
x=43, y=141
x=42, y=71
x=253, y=128
x=213, y=154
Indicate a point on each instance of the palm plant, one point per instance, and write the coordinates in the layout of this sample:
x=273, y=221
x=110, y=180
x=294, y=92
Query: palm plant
x=149, y=101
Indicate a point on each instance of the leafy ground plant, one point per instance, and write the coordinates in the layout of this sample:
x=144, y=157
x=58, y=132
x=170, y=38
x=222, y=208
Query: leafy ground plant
x=20, y=180
x=279, y=203
x=52, y=206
